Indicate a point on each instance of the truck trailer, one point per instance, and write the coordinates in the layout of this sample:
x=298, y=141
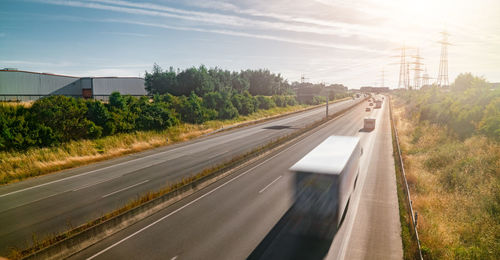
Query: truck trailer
x=369, y=123
x=324, y=181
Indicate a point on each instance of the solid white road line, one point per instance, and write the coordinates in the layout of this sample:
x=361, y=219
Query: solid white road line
x=270, y=184
x=190, y=203
x=126, y=188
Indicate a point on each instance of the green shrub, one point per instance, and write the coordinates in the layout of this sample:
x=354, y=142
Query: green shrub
x=279, y=100
x=265, y=102
x=155, y=116
x=66, y=116
x=291, y=100
x=221, y=103
x=244, y=103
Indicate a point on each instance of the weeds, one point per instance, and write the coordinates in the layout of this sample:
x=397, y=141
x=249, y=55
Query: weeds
x=455, y=187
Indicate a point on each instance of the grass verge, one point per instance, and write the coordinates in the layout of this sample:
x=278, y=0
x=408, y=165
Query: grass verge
x=190, y=182
x=455, y=187
x=410, y=246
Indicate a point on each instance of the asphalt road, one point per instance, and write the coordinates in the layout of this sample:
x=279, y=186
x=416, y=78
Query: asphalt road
x=53, y=203
x=230, y=218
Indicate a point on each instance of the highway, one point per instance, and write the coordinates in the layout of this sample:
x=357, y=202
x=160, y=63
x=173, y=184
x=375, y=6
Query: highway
x=230, y=218
x=54, y=202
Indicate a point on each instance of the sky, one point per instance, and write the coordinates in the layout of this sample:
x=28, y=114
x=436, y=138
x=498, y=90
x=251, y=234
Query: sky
x=338, y=41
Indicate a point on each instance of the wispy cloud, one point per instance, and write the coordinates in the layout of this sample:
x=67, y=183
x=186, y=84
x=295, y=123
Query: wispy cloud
x=128, y=34
x=258, y=36
x=281, y=22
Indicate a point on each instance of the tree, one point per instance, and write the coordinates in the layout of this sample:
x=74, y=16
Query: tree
x=161, y=82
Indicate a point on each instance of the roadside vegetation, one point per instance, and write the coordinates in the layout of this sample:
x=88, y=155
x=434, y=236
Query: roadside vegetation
x=451, y=147
x=59, y=132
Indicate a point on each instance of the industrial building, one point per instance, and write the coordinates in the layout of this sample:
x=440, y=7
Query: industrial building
x=25, y=85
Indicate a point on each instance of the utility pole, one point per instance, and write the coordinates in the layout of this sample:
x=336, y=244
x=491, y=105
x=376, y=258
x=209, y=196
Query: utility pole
x=327, y=97
x=442, y=79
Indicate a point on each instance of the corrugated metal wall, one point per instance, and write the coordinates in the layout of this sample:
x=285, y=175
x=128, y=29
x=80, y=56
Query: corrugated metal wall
x=27, y=83
x=39, y=84
x=126, y=86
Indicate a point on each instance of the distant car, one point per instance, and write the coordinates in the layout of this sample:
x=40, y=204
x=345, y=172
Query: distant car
x=371, y=104
x=367, y=109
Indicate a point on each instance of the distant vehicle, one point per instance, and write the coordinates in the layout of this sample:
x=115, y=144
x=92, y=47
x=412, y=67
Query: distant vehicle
x=369, y=123
x=367, y=109
x=371, y=104
x=325, y=178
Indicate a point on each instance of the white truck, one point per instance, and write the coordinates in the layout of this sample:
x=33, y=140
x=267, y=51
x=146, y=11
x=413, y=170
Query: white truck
x=324, y=181
x=369, y=123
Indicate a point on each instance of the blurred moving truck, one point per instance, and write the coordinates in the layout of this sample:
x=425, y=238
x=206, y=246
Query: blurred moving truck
x=369, y=123
x=324, y=181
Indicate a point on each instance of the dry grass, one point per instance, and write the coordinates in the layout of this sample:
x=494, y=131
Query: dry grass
x=19, y=165
x=455, y=187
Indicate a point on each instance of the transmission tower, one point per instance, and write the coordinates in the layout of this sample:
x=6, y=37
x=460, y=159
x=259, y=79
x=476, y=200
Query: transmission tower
x=417, y=80
x=425, y=78
x=303, y=78
x=442, y=79
x=403, y=73
x=407, y=83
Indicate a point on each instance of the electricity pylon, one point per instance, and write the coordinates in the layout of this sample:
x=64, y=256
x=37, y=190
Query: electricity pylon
x=442, y=79
x=417, y=80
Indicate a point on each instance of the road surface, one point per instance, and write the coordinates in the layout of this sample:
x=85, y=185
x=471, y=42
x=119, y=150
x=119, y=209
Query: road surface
x=52, y=203
x=230, y=218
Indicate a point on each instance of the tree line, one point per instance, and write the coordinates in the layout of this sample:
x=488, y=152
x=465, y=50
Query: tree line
x=193, y=95
x=470, y=106
x=57, y=119
x=202, y=80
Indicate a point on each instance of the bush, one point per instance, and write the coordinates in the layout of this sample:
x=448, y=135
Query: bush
x=265, y=102
x=66, y=116
x=291, y=100
x=221, y=103
x=155, y=116
x=192, y=111
x=244, y=103
x=99, y=114
x=279, y=100
x=318, y=100
x=20, y=130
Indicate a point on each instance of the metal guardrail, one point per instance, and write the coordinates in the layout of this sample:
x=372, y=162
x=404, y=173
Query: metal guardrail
x=413, y=214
